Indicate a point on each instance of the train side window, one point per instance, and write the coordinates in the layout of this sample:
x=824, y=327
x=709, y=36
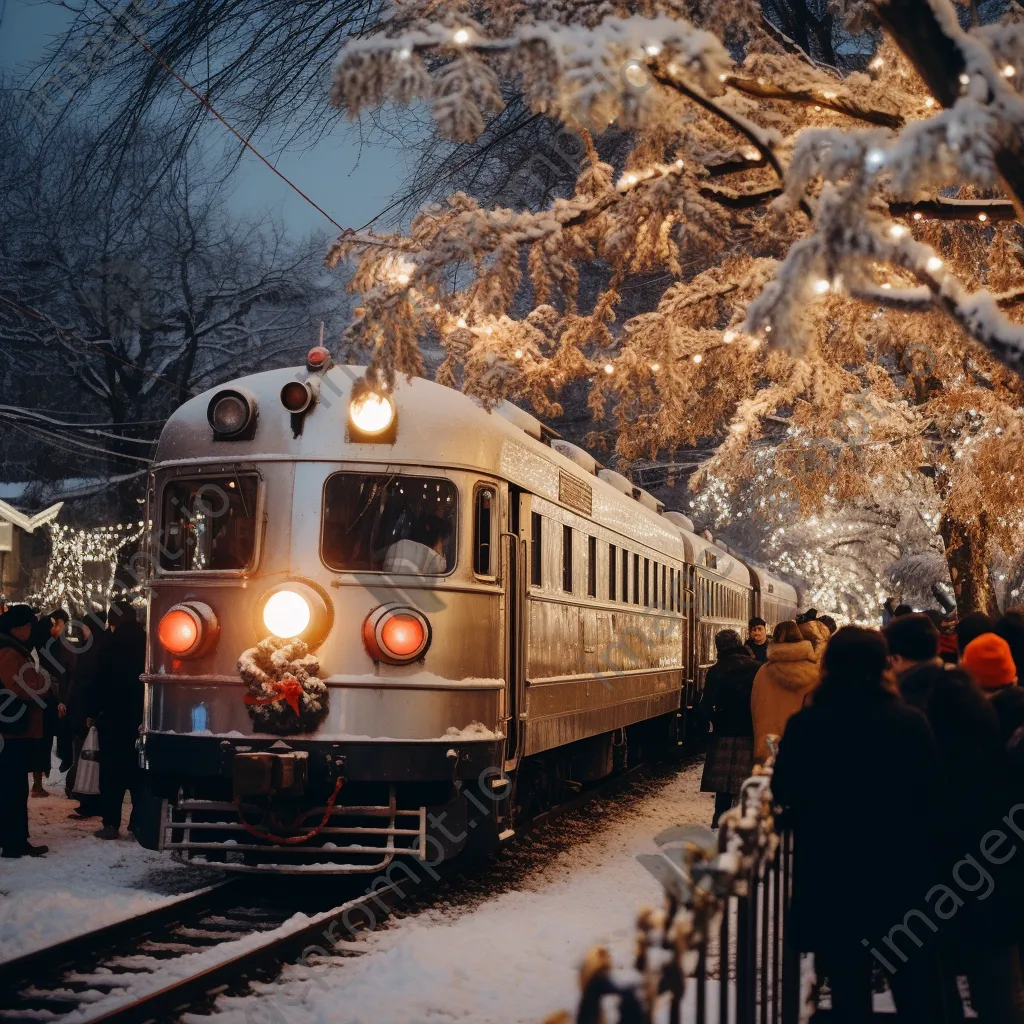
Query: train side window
x=536, y=554
x=484, y=509
x=671, y=590
x=636, y=579
x=625, y=575
x=664, y=592
x=591, y=567
x=647, y=583
x=567, y=559
x=613, y=566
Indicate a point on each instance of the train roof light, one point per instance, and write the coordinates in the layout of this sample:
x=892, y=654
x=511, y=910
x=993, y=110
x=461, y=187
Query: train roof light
x=188, y=630
x=396, y=635
x=318, y=358
x=371, y=415
x=232, y=414
x=297, y=396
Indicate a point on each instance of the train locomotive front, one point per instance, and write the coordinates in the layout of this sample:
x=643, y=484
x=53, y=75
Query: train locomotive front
x=324, y=687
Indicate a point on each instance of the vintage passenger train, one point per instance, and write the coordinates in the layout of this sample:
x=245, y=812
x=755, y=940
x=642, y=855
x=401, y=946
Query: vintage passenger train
x=487, y=617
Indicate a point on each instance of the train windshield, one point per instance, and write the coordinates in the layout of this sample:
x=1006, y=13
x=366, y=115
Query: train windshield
x=388, y=523
x=209, y=523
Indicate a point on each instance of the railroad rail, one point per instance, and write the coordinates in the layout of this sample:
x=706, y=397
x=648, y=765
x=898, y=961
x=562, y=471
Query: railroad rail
x=229, y=917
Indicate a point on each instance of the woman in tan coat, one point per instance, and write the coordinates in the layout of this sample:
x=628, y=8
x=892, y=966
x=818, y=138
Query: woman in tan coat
x=781, y=684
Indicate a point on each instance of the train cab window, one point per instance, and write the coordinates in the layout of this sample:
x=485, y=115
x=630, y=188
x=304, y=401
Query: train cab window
x=567, y=559
x=636, y=579
x=591, y=567
x=536, y=551
x=625, y=576
x=647, y=583
x=613, y=565
x=485, y=507
x=209, y=524
x=383, y=522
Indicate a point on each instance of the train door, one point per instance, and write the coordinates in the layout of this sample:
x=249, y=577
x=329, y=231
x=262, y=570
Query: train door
x=514, y=563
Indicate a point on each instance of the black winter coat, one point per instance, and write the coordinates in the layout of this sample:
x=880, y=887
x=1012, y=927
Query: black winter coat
x=727, y=689
x=758, y=651
x=858, y=784
x=975, y=793
x=117, y=695
x=1008, y=704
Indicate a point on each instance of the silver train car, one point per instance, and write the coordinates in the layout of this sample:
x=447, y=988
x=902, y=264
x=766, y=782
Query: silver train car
x=385, y=627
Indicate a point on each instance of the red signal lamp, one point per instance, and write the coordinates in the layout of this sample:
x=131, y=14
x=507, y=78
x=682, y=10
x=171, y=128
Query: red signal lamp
x=188, y=630
x=396, y=635
x=318, y=358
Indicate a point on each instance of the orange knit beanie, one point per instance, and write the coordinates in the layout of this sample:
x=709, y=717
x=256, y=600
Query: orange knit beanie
x=988, y=659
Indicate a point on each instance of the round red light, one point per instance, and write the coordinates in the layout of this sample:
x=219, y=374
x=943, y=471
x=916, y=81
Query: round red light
x=402, y=635
x=317, y=356
x=178, y=631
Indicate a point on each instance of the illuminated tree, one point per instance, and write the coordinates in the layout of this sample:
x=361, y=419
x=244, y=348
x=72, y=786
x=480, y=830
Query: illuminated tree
x=820, y=290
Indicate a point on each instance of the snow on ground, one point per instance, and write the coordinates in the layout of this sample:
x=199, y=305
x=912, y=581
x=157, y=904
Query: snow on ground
x=510, y=955
x=83, y=883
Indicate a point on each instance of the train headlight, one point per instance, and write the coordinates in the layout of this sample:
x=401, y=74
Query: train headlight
x=188, y=630
x=297, y=396
x=396, y=634
x=232, y=414
x=295, y=608
x=371, y=415
x=286, y=614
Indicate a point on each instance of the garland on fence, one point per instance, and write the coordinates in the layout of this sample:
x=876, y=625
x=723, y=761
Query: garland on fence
x=283, y=693
x=699, y=872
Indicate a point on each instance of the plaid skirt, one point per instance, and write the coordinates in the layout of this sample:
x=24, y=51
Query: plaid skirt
x=728, y=765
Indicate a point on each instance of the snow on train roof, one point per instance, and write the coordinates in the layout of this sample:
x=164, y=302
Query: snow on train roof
x=710, y=556
x=780, y=590
x=436, y=426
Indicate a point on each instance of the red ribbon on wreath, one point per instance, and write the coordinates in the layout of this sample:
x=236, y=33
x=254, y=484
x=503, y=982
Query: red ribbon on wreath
x=289, y=689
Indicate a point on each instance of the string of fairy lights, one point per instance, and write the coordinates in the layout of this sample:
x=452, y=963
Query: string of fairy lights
x=82, y=570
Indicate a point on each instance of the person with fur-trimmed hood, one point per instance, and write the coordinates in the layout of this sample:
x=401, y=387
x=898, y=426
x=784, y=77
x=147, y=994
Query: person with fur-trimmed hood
x=781, y=684
x=726, y=700
x=22, y=699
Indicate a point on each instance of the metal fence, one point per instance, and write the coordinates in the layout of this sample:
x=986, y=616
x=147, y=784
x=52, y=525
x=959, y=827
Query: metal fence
x=718, y=953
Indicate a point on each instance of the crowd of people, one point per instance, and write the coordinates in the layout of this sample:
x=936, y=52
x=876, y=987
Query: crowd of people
x=54, y=688
x=900, y=772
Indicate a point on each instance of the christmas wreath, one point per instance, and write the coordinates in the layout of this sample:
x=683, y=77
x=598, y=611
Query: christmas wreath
x=283, y=694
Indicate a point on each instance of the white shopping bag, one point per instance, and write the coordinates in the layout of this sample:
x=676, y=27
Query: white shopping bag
x=87, y=775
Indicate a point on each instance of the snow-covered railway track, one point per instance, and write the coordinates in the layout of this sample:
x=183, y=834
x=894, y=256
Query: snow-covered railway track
x=180, y=958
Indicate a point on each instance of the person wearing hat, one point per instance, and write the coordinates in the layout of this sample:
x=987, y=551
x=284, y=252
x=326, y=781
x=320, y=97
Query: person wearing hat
x=22, y=699
x=989, y=660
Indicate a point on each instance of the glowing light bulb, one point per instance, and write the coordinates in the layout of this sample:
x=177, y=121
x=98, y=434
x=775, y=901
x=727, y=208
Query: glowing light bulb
x=461, y=36
x=1009, y=71
x=934, y=263
x=652, y=49
x=897, y=231
x=698, y=357
x=917, y=216
x=965, y=79
x=767, y=328
x=609, y=369
x=821, y=286
x=983, y=217
x=519, y=353
x=404, y=53
x=729, y=337
x=876, y=63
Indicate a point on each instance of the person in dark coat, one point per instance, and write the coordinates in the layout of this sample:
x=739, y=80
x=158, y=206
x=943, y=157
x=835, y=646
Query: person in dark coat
x=989, y=661
x=116, y=705
x=972, y=625
x=22, y=699
x=857, y=777
x=94, y=635
x=39, y=637
x=980, y=940
x=730, y=758
x=58, y=659
x=757, y=639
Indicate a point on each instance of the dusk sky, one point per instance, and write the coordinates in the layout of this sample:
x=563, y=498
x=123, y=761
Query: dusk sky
x=352, y=181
